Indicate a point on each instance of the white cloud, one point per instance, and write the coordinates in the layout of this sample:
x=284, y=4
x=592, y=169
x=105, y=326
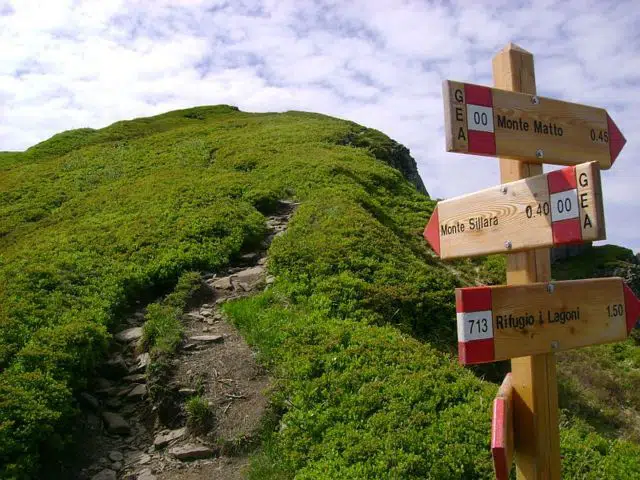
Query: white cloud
x=71, y=64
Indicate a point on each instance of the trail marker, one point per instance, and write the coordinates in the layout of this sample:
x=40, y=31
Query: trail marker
x=498, y=323
x=502, y=430
x=530, y=318
x=488, y=121
x=560, y=207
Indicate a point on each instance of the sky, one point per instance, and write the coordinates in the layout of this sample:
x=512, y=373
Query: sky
x=73, y=64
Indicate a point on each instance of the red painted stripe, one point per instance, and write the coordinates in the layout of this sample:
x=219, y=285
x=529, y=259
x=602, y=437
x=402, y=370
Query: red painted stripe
x=478, y=95
x=482, y=143
x=476, y=351
x=561, y=180
x=432, y=231
x=631, y=306
x=566, y=231
x=498, y=440
x=616, y=139
x=473, y=299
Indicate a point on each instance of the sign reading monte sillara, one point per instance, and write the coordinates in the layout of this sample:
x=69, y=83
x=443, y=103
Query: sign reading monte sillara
x=502, y=322
x=488, y=121
x=557, y=208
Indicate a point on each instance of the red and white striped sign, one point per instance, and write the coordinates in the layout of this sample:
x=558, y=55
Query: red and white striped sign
x=488, y=121
x=557, y=208
x=482, y=138
x=502, y=322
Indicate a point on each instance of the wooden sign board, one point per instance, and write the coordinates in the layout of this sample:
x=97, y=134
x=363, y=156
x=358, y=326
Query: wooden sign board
x=488, y=121
x=557, y=208
x=502, y=430
x=502, y=322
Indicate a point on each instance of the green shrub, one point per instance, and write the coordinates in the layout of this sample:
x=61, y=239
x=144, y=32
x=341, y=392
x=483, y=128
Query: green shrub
x=200, y=418
x=32, y=407
x=162, y=331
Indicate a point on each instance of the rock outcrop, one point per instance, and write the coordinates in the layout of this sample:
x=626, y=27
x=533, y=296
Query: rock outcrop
x=388, y=151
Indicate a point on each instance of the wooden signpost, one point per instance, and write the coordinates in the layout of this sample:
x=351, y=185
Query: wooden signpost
x=560, y=207
x=530, y=318
x=488, y=121
x=499, y=323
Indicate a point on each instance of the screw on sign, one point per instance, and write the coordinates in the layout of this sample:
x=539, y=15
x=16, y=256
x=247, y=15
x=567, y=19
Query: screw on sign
x=489, y=121
x=558, y=208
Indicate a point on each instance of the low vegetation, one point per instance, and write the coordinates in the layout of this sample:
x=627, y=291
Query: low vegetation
x=602, y=383
x=162, y=331
x=200, y=418
x=358, y=329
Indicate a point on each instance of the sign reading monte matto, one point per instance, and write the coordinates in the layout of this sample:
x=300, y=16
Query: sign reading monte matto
x=502, y=322
x=557, y=208
x=487, y=121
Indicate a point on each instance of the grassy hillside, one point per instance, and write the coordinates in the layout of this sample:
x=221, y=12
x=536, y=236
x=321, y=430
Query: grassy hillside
x=359, y=327
x=602, y=383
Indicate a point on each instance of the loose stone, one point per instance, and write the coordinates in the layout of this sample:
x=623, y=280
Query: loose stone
x=106, y=474
x=129, y=335
x=191, y=452
x=116, y=423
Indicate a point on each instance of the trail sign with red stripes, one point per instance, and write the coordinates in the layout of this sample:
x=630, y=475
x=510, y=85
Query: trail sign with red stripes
x=557, y=208
x=488, y=121
x=502, y=430
x=502, y=322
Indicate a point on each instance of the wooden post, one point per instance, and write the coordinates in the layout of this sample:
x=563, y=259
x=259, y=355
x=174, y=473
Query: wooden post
x=537, y=438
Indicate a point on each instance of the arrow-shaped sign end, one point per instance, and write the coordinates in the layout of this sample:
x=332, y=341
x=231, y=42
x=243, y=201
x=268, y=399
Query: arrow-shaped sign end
x=632, y=307
x=616, y=139
x=431, y=231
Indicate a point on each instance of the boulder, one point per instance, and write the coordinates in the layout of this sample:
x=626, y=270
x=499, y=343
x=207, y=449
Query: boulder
x=146, y=474
x=249, y=275
x=106, y=474
x=115, y=456
x=143, y=360
x=137, y=458
x=163, y=440
x=223, y=283
x=129, y=335
x=191, y=452
x=102, y=383
x=137, y=378
x=115, y=423
x=115, y=367
x=90, y=401
x=207, y=338
x=138, y=392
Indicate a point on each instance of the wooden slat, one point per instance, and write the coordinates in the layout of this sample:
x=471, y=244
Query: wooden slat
x=518, y=216
x=517, y=124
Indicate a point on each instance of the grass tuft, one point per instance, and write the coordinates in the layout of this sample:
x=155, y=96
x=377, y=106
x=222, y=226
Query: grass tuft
x=200, y=417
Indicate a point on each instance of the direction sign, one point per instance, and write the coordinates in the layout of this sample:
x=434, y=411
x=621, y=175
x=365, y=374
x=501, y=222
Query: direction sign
x=501, y=322
x=557, y=208
x=488, y=121
x=502, y=430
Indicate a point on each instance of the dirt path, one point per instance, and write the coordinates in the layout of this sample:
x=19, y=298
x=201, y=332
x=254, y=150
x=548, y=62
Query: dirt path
x=123, y=435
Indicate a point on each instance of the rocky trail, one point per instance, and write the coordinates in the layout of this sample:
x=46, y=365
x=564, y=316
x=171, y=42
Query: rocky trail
x=124, y=435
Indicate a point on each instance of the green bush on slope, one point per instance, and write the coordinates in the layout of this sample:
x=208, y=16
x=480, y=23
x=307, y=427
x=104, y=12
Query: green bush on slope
x=362, y=400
